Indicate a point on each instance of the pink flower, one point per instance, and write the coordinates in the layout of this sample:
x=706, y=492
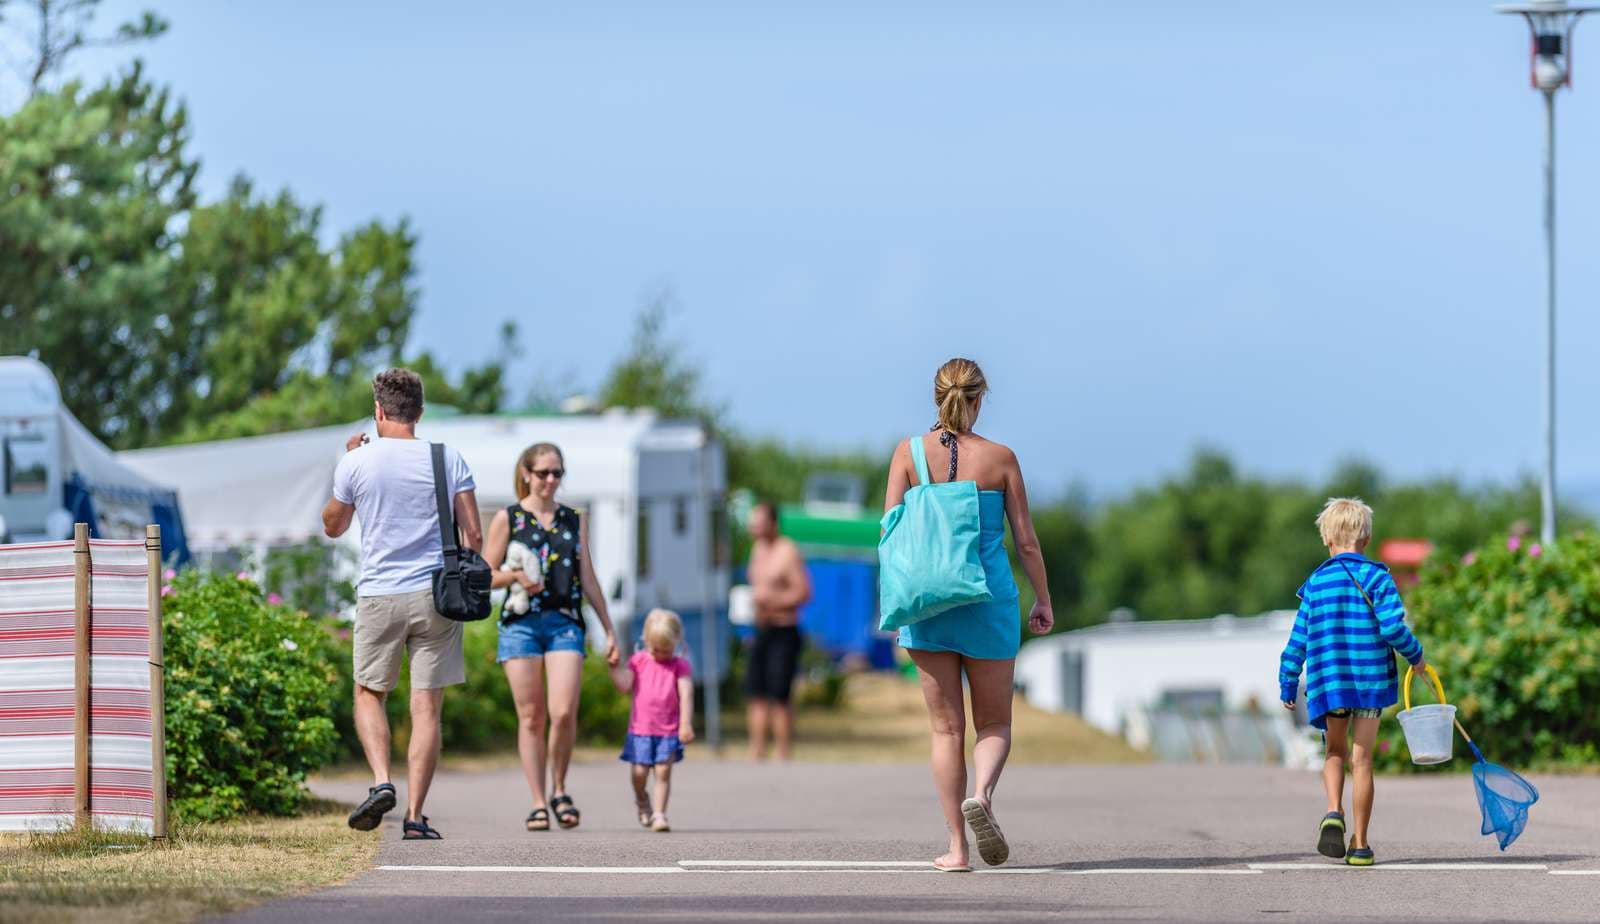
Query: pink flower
x=243, y=575
x=274, y=599
x=344, y=635
x=168, y=574
x=166, y=590
x=1383, y=746
x=1535, y=550
x=1469, y=558
x=1513, y=543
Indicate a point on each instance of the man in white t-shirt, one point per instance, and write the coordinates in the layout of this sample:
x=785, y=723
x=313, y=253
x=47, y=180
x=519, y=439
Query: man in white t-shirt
x=388, y=483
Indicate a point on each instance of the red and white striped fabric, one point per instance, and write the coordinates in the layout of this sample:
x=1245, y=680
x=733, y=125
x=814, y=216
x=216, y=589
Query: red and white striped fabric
x=36, y=686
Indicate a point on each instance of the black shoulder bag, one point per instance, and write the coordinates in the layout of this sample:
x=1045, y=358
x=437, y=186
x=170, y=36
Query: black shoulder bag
x=461, y=588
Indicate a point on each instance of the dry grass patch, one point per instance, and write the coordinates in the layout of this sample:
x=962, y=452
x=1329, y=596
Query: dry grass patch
x=202, y=870
x=884, y=719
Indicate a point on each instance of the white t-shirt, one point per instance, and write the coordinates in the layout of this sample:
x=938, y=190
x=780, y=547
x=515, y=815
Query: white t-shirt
x=390, y=482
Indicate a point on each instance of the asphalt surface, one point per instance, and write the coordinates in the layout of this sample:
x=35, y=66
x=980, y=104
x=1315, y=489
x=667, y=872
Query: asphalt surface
x=1145, y=843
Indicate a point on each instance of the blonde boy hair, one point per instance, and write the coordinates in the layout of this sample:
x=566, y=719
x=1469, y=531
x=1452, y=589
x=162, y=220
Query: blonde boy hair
x=663, y=629
x=1345, y=522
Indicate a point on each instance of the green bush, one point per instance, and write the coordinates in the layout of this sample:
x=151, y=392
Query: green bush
x=1512, y=630
x=249, y=689
x=480, y=715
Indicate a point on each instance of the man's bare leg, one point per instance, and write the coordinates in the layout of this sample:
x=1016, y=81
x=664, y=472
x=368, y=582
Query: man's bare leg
x=783, y=729
x=758, y=713
x=372, y=728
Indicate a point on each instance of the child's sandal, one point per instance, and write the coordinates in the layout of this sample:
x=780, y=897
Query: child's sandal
x=659, y=824
x=1360, y=856
x=643, y=806
x=1330, y=836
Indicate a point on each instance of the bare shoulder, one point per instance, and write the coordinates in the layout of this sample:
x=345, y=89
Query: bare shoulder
x=786, y=549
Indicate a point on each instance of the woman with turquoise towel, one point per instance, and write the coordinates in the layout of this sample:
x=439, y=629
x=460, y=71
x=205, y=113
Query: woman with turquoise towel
x=980, y=638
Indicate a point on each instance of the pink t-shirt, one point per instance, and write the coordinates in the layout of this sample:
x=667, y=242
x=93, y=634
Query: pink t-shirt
x=655, y=693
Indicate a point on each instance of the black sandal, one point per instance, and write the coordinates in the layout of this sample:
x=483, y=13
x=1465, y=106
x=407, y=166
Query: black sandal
x=539, y=820
x=567, y=814
x=419, y=831
x=368, y=814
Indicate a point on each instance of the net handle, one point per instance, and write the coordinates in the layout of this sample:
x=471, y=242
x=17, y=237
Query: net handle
x=1433, y=676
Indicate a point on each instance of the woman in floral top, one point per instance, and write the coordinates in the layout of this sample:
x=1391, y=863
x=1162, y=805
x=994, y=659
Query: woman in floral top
x=540, y=549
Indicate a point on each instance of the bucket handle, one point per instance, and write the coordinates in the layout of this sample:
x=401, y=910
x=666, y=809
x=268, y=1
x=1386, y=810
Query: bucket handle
x=1433, y=676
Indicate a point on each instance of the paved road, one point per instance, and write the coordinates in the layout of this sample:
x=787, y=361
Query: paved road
x=1089, y=843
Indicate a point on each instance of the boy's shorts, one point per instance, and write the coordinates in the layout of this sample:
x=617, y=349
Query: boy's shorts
x=1354, y=713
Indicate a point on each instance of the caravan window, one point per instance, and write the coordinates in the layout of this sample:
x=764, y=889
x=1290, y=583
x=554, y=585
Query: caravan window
x=27, y=469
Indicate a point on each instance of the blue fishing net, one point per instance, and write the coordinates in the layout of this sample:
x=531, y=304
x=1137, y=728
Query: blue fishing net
x=1503, y=797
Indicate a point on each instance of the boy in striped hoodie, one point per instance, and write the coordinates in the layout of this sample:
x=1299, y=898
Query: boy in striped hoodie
x=1350, y=625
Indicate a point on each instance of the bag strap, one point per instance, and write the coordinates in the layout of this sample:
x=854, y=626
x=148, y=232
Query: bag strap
x=1363, y=590
x=447, y=520
x=919, y=460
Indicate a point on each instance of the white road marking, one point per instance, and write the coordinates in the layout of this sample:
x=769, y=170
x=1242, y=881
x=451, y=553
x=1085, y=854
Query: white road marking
x=804, y=863
x=746, y=867
x=1401, y=866
x=1157, y=871
x=530, y=869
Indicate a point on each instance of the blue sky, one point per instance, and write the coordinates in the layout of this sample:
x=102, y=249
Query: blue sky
x=1296, y=232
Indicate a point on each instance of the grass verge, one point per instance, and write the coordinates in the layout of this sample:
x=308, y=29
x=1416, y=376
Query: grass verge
x=202, y=870
x=883, y=719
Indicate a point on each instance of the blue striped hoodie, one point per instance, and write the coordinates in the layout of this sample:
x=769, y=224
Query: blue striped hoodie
x=1345, y=651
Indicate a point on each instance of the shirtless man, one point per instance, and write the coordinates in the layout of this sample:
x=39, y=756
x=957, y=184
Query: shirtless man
x=780, y=585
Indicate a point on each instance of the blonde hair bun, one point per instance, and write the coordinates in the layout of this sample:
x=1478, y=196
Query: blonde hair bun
x=958, y=386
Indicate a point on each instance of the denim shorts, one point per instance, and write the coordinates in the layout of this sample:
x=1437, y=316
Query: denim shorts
x=539, y=634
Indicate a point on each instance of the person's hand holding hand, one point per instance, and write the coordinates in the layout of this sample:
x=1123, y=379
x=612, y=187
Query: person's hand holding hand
x=359, y=439
x=1288, y=704
x=613, y=657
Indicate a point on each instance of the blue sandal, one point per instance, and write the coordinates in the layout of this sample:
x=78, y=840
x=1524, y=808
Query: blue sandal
x=368, y=814
x=419, y=831
x=1330, y=836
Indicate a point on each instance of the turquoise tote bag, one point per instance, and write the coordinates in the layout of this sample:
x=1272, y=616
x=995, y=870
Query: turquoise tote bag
x=928, y=557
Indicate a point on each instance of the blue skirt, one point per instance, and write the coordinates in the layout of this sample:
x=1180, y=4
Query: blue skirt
x=649, y=750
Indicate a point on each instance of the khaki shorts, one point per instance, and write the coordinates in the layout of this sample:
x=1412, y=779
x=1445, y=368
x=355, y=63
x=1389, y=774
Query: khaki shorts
x=388, y=626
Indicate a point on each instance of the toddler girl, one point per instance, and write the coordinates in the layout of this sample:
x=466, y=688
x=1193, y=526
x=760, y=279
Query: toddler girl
x=662, y=719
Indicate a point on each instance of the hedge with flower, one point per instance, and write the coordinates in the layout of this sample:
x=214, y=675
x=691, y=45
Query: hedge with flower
x=1514, y=630
x=250, y=686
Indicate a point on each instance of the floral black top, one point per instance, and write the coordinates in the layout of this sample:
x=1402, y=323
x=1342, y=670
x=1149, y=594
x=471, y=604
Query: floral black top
x=559, y=547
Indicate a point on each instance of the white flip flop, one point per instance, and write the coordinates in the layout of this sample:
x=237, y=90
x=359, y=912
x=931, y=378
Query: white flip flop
x=992, y=846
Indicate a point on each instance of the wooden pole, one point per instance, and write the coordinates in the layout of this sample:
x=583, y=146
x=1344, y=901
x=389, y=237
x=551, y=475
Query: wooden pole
x=80, y=677
x=158, y=699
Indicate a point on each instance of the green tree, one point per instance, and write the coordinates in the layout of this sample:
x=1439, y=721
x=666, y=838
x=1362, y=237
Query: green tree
x=654, y=374
x=166, y=320
x=95, y=183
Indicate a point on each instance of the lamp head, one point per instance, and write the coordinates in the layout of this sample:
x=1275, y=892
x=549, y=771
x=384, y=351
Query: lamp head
x=1550, y=23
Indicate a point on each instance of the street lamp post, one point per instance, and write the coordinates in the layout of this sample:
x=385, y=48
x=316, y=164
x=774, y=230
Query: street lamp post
x=1551, y=23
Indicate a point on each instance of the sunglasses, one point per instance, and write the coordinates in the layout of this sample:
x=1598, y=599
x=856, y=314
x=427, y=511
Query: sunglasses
x=549, y=474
